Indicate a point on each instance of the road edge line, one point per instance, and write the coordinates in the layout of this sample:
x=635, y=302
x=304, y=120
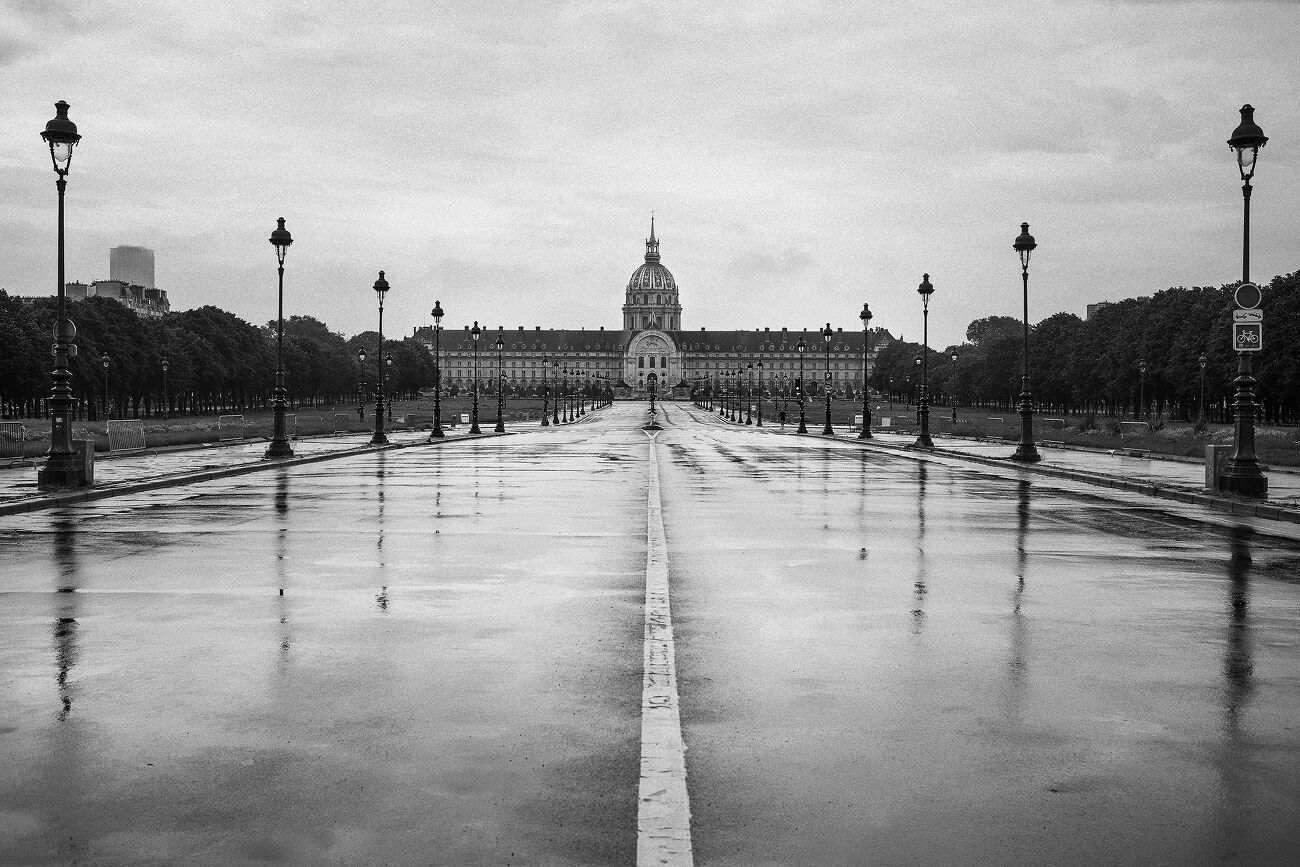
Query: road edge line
x=663, y=806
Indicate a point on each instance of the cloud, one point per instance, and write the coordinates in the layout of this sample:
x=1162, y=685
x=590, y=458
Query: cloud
x=801, y=158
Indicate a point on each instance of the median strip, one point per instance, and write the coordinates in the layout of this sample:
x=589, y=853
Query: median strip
x=663, y=812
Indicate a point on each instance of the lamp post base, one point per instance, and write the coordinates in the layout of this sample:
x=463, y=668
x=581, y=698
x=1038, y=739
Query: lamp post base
x=1026, y=454
x=1239, y=481
x=437, y=432
x=60, y=477
x=923, y=441
x=1242, y=474
x=278, y=449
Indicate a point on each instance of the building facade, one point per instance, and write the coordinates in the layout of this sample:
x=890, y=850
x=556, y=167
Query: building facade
x=145, y=301
x=653, y=352
x=132, y=266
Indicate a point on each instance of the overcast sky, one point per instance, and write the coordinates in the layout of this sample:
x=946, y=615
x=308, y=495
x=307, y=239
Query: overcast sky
x=800, y=158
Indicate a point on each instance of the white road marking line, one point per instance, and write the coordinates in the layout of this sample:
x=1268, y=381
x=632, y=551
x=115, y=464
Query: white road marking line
x=663, y=809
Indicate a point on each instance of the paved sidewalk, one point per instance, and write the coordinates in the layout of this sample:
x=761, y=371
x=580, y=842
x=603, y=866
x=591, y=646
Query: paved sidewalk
x=122, y=473
x=1283, y=485
x=1168, y=478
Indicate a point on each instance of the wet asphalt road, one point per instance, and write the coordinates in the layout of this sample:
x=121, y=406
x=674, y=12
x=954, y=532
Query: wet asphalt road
x=880, y=661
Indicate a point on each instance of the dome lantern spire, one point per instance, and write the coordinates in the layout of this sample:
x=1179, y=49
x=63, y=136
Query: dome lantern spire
x=652, y=243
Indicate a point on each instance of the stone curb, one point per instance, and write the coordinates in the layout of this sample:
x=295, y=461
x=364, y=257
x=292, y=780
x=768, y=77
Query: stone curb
x=72, y=498
x=1228, y=505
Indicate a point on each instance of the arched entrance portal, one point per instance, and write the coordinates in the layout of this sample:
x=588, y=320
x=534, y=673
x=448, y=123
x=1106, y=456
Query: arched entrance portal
x=651, y=361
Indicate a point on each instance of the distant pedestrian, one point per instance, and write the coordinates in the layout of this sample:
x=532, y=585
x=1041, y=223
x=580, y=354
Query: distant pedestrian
x=361, y=412
x=782, y=418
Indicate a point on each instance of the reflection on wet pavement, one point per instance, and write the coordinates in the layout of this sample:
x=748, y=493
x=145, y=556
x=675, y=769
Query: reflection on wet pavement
x=433, y=655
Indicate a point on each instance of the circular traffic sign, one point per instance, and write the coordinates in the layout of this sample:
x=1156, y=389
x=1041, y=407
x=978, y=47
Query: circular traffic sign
x=1248, y=296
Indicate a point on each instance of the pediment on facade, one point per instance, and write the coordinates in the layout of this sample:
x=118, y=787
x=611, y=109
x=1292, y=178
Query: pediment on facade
x=652, y=342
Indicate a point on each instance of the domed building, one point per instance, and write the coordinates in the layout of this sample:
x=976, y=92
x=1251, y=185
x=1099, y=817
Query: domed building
x=652, y=352
x=651, y=300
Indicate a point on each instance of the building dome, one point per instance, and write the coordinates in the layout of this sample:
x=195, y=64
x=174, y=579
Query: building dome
x=652, y=300
x=652, y=277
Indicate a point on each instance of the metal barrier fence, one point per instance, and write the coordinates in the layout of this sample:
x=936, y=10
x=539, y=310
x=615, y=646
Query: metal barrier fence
x=13, y=443
x=342, y=422
x=125, y=435
x=291, y=425
x=230, y=428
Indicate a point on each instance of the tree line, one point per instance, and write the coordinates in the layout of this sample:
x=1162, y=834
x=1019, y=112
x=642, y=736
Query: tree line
x=1094, y=365
x=215, y=361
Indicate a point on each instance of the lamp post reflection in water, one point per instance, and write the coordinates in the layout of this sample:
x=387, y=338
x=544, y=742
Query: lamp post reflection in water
x=381, y=470
x=280, y=505
x=1238, y=660
x=66, y=648
x=919, y=587
x=1016, y=666
x=1237, y=750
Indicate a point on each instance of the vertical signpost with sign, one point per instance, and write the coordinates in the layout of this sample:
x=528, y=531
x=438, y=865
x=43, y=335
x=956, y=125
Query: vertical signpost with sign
x=1242, y=473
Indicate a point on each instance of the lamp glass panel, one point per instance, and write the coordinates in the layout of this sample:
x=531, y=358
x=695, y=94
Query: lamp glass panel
x=1246, y=160
x=62, y=153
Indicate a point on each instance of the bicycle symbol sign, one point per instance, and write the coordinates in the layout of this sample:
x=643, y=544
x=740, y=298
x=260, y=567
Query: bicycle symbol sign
x=1248, y=336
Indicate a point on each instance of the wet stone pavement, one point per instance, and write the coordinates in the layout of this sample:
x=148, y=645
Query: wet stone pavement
x=880, y=659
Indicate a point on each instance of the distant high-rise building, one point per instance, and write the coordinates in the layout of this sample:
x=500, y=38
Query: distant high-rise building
x=132, y=265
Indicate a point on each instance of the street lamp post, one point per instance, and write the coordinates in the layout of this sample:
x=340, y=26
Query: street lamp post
x=1026, y=451
x=759, y=423
x=166, y=406
x=564, y=393
x=61, y=470
x=747, y=403
x=555, y=368
x=105, y=360
x=799, y=387
x=279, y=445
x=1200, y=407
x=501, y=384
x=361, y=384
x=865, y=316
x=1242, y=474
x=473, y=426
x=388, y=362
x=827, y=334
x=925, y=290
x=546, y=422
x=954, y=358
x=381, y=290
x=1142, y=391
x=437, y=432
